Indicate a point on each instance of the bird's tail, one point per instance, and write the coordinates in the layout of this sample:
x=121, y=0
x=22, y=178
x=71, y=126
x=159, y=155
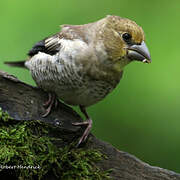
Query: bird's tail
x=16, y=63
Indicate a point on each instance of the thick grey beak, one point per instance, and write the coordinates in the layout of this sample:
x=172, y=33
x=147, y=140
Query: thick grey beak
x=139, y=53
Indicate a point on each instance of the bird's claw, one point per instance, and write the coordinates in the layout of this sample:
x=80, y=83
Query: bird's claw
x=48, y=102
x=52, y=101
x=87, y=123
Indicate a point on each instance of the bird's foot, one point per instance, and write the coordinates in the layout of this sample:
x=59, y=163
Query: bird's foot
x=87, y=123
x=52, y=101
x=47, y=103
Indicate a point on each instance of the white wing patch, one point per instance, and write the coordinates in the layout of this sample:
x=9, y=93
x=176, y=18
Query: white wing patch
x=52, y=43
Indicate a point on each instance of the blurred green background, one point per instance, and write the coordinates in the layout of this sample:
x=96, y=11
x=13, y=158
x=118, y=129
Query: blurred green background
x=142, y=115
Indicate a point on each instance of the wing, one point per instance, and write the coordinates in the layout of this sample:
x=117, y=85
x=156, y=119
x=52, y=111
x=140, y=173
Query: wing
x=51, y=45
x=48, y=45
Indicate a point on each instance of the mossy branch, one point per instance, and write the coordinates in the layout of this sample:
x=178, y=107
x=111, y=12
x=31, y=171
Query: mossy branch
x=43, y=148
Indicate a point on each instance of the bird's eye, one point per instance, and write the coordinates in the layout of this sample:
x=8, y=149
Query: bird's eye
x=127, y=37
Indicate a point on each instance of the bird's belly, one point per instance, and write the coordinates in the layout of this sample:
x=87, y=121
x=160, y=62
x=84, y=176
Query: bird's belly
x=74, y=90
x=89, y=93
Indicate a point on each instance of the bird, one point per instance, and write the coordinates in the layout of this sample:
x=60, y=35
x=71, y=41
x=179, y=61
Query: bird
x=82, y=64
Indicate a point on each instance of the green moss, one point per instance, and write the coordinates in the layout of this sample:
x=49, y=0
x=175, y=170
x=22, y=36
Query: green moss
x=28, y=149
x=4, y=116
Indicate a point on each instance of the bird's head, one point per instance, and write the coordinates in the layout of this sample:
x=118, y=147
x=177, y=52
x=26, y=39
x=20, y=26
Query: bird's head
x=124, y=41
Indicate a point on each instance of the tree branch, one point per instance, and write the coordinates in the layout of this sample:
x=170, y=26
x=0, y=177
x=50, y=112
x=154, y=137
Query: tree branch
x=24, y=102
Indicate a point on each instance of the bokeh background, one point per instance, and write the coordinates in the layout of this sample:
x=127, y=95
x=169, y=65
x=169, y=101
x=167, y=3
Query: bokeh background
x=142, y=115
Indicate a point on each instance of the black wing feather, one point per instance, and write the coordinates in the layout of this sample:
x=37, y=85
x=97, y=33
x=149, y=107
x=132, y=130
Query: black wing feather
x=48, y=45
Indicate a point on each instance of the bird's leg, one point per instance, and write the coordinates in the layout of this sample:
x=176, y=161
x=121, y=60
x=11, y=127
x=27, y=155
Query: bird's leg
x=52, y=101
x=87, y=123
x=46, y=104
